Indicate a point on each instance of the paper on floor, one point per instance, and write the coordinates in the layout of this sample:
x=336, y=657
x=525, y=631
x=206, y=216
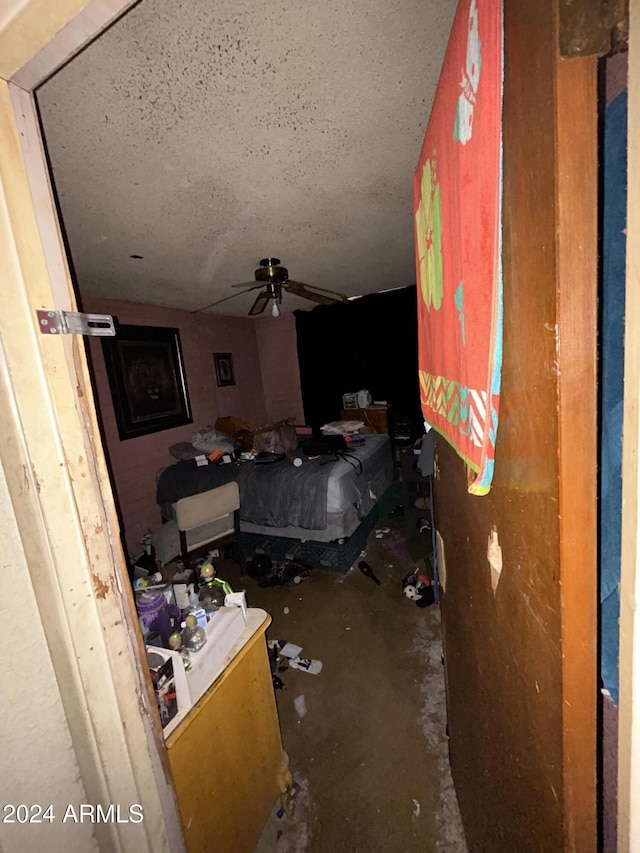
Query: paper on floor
x=307, y=664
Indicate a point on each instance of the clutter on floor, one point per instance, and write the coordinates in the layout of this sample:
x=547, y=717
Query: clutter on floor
x=367, y=571
x=417, y=587
x=362, y=783
x=268, y=572
x=284, y=655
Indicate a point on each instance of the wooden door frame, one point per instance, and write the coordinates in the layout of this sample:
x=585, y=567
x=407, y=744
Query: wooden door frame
x=52, y=456
x=576, y=354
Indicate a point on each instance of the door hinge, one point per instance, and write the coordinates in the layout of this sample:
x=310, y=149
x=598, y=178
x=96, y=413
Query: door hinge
x=75, y=323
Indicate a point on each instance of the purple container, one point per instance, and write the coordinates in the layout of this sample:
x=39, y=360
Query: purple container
x=156, y=614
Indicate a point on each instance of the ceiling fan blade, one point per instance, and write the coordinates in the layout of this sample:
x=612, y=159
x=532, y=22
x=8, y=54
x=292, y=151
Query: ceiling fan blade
x=211, y=305
x=315, y=294
x=260, y=304
x=250, y=285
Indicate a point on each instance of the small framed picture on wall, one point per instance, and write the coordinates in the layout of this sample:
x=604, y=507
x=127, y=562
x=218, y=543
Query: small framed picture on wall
x=224, y=368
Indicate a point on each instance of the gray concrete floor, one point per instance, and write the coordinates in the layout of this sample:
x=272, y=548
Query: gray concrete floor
x=370, y=755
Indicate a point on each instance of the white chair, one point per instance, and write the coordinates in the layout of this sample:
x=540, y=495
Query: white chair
x=199, y=520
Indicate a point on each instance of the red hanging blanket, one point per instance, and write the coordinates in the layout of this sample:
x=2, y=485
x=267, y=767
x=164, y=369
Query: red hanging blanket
x=457, y=214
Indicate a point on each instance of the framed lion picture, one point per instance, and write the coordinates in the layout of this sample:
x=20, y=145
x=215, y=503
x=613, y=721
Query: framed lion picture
x=147, y=379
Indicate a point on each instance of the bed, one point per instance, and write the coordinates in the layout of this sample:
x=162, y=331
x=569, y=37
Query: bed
x=325, y=499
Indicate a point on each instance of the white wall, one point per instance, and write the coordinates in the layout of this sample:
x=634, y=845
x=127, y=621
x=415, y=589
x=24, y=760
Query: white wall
x=38, y=760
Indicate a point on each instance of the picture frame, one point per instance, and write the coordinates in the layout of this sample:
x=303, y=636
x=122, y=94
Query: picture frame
x=147, y=379
x=224, y=368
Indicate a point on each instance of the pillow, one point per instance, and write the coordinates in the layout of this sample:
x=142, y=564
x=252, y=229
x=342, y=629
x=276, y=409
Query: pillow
x=183, y=450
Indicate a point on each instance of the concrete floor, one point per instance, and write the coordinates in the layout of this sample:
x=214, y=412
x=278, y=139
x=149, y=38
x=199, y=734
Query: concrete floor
x=370, y=755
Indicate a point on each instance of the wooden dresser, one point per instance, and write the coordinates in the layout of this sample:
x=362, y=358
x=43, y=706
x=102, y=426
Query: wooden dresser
x=374, y=417
x=226, y=755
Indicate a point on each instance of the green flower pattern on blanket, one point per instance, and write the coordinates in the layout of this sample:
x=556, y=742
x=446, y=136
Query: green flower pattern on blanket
x=429, y=237
x=459, y=300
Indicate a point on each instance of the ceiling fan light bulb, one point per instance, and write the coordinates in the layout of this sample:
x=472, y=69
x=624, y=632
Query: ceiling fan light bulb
x=275, y=310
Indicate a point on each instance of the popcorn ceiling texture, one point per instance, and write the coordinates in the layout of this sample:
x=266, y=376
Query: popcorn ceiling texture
x=205, y=136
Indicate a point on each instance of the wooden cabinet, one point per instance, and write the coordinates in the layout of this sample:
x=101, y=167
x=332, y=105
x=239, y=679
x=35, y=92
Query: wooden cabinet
x=374, y=417
x=226, y=756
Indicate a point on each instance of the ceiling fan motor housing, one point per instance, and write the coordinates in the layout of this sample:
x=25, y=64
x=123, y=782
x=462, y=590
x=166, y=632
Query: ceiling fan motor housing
x=271, y=271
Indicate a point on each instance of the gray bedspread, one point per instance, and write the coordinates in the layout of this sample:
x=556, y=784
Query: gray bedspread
x=273, y=494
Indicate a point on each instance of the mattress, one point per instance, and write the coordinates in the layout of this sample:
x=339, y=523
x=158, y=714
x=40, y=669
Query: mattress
x=355, y=484
x=323, y=500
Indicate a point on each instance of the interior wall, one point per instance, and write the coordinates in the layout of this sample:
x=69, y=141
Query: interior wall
x=278, y=352
x=31, y=730
x=135, y=461
x=503, y=631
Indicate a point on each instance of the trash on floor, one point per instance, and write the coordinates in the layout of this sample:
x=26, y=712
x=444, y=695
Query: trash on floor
x=269, y=573
x=307, y=664
x=300, y=704
x=284, y=648
x=342, y=578
x=366, y=570
x=417, y=587
x=272, y=650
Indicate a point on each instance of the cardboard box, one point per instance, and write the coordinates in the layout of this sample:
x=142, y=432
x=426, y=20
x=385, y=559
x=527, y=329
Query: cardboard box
x=231, y=425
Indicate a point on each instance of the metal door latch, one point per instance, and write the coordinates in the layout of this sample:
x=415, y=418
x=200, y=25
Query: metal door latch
x=75, y=323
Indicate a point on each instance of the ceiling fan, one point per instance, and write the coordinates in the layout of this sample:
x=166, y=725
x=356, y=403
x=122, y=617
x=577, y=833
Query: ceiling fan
x=275, y=279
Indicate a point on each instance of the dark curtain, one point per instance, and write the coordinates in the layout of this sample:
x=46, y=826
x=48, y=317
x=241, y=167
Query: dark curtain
x=370, y=343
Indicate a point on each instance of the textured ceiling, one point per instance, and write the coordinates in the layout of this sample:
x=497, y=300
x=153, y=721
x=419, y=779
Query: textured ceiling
x=208, y=134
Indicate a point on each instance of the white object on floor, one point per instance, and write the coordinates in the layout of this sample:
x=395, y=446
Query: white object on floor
x=285, y=611
x=300, y=704
x=290, y=650
x=306, y=664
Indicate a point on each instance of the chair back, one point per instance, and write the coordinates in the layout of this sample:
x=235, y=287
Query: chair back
x=205, y=507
